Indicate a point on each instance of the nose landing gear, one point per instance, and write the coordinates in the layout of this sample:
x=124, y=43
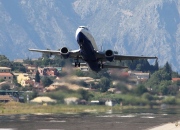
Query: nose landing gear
x=77, y=63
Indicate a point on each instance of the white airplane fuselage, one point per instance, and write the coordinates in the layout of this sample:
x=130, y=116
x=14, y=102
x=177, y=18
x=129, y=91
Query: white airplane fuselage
x=88, y=48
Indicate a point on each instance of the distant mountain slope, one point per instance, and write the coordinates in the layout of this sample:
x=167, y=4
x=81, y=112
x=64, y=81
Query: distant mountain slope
x=130, y=27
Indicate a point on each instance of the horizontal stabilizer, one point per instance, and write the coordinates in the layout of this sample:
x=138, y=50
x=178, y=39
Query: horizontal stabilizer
x=113, y=66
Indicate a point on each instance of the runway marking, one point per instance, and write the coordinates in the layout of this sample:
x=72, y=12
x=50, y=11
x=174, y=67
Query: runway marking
x=57, y=121
x=117, y=115
x=148, y=117
x=8, y=129
x=51, y=129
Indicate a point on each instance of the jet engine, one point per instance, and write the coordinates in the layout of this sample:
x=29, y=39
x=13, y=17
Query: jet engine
x=109, y=54
x=64, y=52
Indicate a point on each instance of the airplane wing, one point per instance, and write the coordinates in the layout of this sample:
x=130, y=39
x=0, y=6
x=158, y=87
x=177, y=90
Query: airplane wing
x=101, y=56
x=52, y=52
x=124, y=57
x=72, y=54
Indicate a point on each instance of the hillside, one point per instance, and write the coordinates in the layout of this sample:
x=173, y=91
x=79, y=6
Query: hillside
x=130, y=27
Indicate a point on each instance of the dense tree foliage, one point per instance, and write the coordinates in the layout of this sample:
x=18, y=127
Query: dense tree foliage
x=104, y=84
x=4, y=61
x=122, y=87
x=85, y=94
x=37, y=77
x=18, y=67
x=140, y=89
x=46, y=81
x=160, y=81
x=5, y=87
x=47, y=60
x=142, y=65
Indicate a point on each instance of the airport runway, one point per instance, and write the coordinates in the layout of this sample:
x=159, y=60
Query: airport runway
x=117, y=121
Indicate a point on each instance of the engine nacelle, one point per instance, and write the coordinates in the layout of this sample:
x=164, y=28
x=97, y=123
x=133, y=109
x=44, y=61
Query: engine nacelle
x=109, y=54
x=65, y=52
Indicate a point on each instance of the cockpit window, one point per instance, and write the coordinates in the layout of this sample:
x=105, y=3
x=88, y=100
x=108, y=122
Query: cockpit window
x=83, y=27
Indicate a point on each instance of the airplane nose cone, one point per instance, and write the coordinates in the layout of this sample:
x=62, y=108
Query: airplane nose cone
x=80, y=38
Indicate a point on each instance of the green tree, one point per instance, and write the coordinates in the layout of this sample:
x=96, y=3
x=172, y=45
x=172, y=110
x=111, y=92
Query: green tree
x=156, y=66
x=5, y=87
x=175, y=75
x=167, y=68
x=28, y=61
x=46, y=61
x=2, y=80
x=157, y=77
x=104, y=84
x=85, y=94
x=173, y=89
x=147, y=96
x=163, y=87
x=122, y=87
x=18, y=67
x=79, y=73
x=140, y=89
x=46, y=81
x=140, y=65
x=37, y=77
x=4, y=61
x=58, y=61
x=170, y=100
x=3, y=57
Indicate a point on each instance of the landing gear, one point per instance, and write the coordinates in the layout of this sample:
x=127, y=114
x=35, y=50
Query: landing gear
x=77, y=64
x=101, y=66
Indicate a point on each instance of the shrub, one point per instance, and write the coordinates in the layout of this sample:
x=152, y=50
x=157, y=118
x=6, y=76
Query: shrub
x=169, y=100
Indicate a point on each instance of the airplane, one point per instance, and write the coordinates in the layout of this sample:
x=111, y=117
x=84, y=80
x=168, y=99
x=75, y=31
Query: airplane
x=89, y=53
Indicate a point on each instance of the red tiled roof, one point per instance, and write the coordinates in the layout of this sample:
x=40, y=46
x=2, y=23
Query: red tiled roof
x=6, y=74
x=5, y=97
x=175, y=79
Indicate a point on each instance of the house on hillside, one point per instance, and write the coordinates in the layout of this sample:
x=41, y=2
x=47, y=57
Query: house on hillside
x=6, y=77
x=48, y=71
x=5, y=70
x=114, y=90
x=5, y=74
x=175, y=80
x=38, y=86
x=8, y=98
x=31, y=69
x=110, y=103
x=18, y=60
x=71, y=100
x=138, y=76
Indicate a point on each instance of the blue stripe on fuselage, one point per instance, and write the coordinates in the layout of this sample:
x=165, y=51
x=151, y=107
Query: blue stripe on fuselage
x=87, y=52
